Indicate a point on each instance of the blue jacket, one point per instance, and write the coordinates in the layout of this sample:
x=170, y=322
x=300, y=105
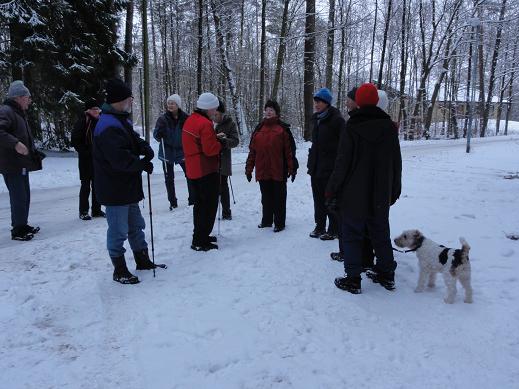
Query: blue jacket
x=169, y=129
x=117, y=163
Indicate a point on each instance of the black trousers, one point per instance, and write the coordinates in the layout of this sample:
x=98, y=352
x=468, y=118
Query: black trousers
x=169, y=179
x=274, y=202
x=205, y=207
x=20, y=198
x=225, y=199
x=368, y=256
x=87, y=186
x=320, y=211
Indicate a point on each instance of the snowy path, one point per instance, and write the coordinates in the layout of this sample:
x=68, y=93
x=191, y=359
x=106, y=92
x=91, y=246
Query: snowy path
x=262, y=312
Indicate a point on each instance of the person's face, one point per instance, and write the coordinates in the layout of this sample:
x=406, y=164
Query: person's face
x=127, y=107
x=320, y=106
x=212, y=113
x=218, y=116
x=94, y=112
x=350, y=104
x=24, y=102
x=270, y=113
x=172, y=106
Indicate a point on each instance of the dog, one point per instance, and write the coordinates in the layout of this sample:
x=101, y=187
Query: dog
x=434, y=258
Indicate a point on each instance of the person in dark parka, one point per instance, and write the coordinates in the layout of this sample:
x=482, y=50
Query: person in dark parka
x=366, y=181
x=168, y=132
x=328, y=124
x=118, y=181
x=227, y=134
x=18, y=157
x=81, y=140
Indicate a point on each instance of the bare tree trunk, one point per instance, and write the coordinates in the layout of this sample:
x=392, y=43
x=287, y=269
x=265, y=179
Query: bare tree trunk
x=329, y=44
x=502, y=88
x=200, y=49
x=146, y=70
x=402, y=112
x=384, y=43
x=309, y=60
x=261, y=99
x=281, y=50
x=481, y=69
x=515, y=62
x=373, y=42
x=493, y=66
x=128, y=42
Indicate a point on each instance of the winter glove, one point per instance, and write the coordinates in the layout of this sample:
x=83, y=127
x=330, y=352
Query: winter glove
x=147, y=166
x=249, y=176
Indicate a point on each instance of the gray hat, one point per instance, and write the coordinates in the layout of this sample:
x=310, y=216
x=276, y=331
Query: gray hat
x=17, y=89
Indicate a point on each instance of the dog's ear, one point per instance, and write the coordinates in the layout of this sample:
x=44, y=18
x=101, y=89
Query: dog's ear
x=417, y=234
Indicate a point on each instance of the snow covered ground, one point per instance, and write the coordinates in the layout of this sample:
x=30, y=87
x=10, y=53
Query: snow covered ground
x=262, y=312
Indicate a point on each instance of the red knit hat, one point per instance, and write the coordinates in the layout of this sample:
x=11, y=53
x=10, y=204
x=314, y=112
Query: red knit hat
x=366, y=94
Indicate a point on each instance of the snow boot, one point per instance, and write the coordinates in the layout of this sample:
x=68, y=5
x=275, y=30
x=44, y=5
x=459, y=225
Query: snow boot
x=279, y=228
x=31, y=229
x=21, y=234
x=317, y=232
x=212, y=239
x=204, y=247
x=85, y=216
x=336, y=257
x=121, y=272
x=349, y=284
x=143, y=262
x=98, y=214
x=386, y=280
x=328, y=236
x=264, y=225
x=173, y=204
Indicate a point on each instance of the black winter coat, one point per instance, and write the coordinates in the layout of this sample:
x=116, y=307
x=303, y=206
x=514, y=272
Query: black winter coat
x=231, y=140
x=117, y=165
x=325, y=139
x=82, y=139
x=13, y=129
x=368, y=170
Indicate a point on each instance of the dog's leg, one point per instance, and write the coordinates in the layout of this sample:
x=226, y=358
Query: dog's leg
x=432, y=279
x=464, y=277
x=421, y=279
x=450, y=283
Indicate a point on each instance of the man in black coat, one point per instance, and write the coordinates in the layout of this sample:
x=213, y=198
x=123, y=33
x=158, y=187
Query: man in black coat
x=366, y=181
x=328, y=125
x=81, y=140
x=118, y=181
x=18, y=157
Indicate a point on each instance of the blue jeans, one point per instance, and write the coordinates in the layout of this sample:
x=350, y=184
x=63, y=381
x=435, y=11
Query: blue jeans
x=353, y=235
x=124, y=222
x=19, y=196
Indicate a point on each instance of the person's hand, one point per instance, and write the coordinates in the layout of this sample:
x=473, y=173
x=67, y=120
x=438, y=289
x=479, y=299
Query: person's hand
x=147, y=166
x=21, y=149
x=220, y=135
x=148, y=154
x=249, y=176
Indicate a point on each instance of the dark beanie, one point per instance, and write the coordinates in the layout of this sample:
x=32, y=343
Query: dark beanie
x=366, y=95
x=116, y=91
x=221, y=106
x=90, y=103
x=274, y=105
x=351, y=93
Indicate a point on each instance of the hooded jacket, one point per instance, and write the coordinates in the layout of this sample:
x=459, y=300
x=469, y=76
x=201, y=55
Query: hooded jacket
x=367, y=176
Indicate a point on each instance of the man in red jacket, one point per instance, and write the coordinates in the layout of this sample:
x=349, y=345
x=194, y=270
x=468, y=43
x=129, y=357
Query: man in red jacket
x=201, y=152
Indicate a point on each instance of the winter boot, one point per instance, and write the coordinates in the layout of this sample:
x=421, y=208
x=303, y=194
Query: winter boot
x=264, y=225
x=121, y=272
x=212, y=239
x=349, y=284
x=317, y=232
x=204, y=247
x=279, y=228
x=31, y=229
x=328, y=236
x=336, y=257
x=98, y=214
x=143, y=262
x=173, y=204
x=387, y=279
x=85, y=216
x=21, y=234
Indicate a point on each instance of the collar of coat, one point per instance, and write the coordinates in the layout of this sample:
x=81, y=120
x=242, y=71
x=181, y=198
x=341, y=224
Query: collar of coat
x=367, y=113
x=15, y=106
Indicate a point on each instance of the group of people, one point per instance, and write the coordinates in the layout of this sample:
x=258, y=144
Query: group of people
x=354, y=165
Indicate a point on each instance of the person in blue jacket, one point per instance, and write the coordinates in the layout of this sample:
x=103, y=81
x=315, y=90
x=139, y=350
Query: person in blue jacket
x=168, y=132
x=118, y=168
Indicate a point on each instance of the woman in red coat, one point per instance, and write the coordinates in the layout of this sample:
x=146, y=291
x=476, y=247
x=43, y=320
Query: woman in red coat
x=272, y=153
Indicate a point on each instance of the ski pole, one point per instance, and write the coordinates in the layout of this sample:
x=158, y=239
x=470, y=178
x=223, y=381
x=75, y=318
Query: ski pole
x=151, y=226
x=232, y=191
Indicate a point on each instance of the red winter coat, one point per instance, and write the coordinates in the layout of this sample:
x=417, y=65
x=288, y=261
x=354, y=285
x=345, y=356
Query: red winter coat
x=270, y=152
x=201, y=148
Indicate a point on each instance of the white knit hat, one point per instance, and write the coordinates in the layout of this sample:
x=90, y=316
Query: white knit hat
x=176, y=99
x=383, y=101
x=207, y=101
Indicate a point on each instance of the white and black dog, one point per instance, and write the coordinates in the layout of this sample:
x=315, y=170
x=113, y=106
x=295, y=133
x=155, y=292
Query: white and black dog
x=433, y=258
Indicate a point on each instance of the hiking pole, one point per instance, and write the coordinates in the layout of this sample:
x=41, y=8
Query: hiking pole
x=232, y=191
x=151, y=226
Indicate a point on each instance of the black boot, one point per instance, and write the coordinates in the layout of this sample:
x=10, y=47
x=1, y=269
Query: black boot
x=349, y=284
x=387, y=279
x=21, y=233
x=336, y=256
x=142, y=259
x=121, y=272
x=317, y=232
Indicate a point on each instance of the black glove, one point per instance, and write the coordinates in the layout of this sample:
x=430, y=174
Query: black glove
x=147, y=166
x=249, y=176
x=148, y=153
x=331, y=205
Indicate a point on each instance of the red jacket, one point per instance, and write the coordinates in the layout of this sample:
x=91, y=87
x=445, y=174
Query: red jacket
x=270, y=152
x=201, y=148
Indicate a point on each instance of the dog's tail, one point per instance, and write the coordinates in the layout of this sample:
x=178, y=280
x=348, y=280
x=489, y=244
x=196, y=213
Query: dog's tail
x=465, y=248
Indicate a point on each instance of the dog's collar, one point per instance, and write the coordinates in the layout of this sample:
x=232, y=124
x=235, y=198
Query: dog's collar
x=419, y=244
